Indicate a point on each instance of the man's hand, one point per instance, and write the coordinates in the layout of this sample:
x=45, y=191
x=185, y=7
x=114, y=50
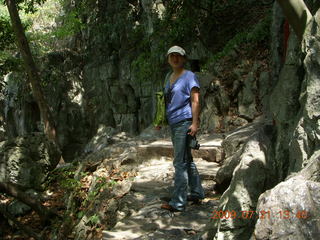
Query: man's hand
x=193, y=129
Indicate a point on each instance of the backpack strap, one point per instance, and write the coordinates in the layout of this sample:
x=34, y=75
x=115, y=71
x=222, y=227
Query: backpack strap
x=166, y=80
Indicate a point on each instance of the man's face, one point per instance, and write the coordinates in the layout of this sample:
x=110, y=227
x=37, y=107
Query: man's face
x=176, y=60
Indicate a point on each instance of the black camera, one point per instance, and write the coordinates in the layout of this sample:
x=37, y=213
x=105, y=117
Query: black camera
x=192, y=142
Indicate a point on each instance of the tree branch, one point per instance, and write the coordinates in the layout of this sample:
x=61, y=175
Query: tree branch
x=298, y=15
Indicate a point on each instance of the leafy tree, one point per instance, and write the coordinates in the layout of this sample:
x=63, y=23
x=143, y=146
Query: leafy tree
x=6, y=33
x=31, y=69
x=6, y=42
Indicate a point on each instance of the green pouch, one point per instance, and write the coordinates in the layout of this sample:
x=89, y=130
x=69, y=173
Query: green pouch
x=160, y=117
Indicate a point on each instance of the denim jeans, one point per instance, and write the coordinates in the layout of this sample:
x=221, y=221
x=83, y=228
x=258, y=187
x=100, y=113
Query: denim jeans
x=186, y=173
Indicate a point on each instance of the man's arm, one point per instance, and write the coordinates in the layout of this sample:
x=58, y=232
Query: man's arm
x=195, y=108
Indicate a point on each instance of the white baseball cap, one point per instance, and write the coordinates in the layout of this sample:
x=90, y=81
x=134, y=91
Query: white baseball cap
x=176, y=49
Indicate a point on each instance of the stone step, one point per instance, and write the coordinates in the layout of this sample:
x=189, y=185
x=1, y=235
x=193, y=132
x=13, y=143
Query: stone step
x=210, y=150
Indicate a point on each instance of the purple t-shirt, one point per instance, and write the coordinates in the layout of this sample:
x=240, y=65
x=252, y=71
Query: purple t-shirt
x=178, y=97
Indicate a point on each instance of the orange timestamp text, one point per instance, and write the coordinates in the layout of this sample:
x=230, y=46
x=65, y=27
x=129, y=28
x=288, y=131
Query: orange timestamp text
x=282, y=214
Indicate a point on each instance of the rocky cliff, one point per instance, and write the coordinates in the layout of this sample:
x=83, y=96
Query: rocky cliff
x=108, y=71
x=282, y=151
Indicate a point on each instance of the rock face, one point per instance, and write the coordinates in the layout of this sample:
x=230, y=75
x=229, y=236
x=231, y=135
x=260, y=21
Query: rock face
x=282, y=216
x=250, y=178
x=26, y=160
x=106, y=78
x=64, y=93
x=299, y=195
x=247, y=103
x=233, y=148
x=285, y=106
x=290, y=210
x=23, y=119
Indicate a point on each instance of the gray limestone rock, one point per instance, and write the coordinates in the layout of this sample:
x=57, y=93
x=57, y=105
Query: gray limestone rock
x=306, y=136
x=215, y=103
x=150, y=133
x=127, y=122
x=292, y=208
x=233, y=148
x=264, y=90
x=235, y=139
x=293, y=205
x=249, y=181
x=26, y=160
x=17, y=208
x=285, y=110
x=292, y=211
x=284, y=100
x=247, y=105
x=102, y=139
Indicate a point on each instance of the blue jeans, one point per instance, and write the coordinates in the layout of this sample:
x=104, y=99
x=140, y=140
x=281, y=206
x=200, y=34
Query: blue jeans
x=186, y=173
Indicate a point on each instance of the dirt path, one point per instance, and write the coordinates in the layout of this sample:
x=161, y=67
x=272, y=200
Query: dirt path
x=142, y=217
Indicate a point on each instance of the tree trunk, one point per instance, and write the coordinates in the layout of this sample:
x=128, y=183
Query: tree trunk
x=32, y=71
x=297, y=13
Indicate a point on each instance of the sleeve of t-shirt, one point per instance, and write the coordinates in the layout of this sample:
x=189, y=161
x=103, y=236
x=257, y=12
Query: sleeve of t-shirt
x=193, y=82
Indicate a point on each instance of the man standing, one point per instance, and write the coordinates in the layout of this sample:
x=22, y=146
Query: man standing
x=182, y=110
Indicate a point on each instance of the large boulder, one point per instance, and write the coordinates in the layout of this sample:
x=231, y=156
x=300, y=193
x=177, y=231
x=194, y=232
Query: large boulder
x=27, y=160
x=292, y=208
x=250, y=178
x=233, y=148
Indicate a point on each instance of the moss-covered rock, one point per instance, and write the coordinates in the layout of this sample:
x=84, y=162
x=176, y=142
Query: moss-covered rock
x=27, y=160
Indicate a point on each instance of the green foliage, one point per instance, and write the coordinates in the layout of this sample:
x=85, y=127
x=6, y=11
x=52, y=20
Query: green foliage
x=7, y=61
x=101, y=184
x=112, y=182
x=261, y=31
x=72, y=24
x=29, y=6
x=258, y=33
x=80, y=214
x=178, y=22
x=6, y=33
x=142, y=66
x=8, y=50
x=94, y=220
x=65, y=178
